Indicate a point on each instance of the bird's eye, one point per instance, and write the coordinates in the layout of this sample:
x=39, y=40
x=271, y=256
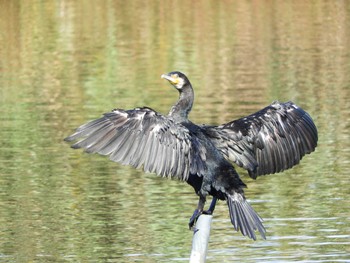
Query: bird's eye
x=175, y=76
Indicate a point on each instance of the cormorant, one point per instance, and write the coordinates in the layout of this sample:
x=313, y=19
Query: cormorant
x=266, y=142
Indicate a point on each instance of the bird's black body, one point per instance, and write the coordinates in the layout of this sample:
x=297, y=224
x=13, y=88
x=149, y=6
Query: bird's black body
x=269, y=141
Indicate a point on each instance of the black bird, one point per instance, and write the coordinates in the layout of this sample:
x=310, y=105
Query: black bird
x=266, y=142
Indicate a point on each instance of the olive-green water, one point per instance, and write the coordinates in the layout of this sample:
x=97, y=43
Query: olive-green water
x=63, y=63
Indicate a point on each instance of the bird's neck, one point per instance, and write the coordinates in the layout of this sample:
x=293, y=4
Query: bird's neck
x=179, y=112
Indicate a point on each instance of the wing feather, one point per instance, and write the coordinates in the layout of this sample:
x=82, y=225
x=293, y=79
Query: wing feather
x=268, y=141
x=143, y=137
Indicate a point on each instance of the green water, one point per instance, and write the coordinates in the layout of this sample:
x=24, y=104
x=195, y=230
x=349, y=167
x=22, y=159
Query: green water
x=63, y=63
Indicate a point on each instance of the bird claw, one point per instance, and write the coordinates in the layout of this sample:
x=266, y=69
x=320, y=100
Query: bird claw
x=207, y=212
x=195, y=216
x=195, y=230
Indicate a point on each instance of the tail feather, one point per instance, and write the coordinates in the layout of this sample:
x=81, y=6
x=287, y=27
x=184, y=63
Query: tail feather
x=243, y=216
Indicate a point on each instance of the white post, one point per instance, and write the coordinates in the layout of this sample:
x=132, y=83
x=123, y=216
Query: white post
x=201, y=239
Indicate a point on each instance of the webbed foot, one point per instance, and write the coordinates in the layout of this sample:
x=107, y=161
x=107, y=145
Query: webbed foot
x=200, y=211
x=194, y=218
x=196, y=215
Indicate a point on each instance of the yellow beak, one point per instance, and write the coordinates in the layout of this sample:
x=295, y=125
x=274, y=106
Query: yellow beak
x=171, y=79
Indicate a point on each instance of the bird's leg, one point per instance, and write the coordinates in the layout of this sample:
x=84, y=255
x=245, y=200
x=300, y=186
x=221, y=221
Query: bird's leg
x=211, y=209
x=198, y=211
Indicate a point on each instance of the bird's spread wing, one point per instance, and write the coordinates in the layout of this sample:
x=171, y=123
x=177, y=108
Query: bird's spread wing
x=143, y=137
x=268, y=141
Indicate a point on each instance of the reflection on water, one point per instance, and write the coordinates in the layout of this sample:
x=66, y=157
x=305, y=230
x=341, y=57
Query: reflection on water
x=63, y=63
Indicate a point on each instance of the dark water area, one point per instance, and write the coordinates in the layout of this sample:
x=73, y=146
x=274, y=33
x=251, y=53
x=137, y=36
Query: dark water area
x=63, y=63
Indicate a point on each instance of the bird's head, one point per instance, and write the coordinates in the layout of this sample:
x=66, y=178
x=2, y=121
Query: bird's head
x=177, y=79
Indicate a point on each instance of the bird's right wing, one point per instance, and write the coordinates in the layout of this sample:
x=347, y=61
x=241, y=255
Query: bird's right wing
x=143, y=137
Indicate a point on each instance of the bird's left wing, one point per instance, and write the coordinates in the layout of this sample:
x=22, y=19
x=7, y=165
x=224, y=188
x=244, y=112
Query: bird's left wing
x=143, y=137
x=269, y=141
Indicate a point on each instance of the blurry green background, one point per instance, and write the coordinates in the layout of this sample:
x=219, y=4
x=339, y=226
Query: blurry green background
x=63, y=63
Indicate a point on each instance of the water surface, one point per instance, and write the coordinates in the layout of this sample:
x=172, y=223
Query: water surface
x=63, y=63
